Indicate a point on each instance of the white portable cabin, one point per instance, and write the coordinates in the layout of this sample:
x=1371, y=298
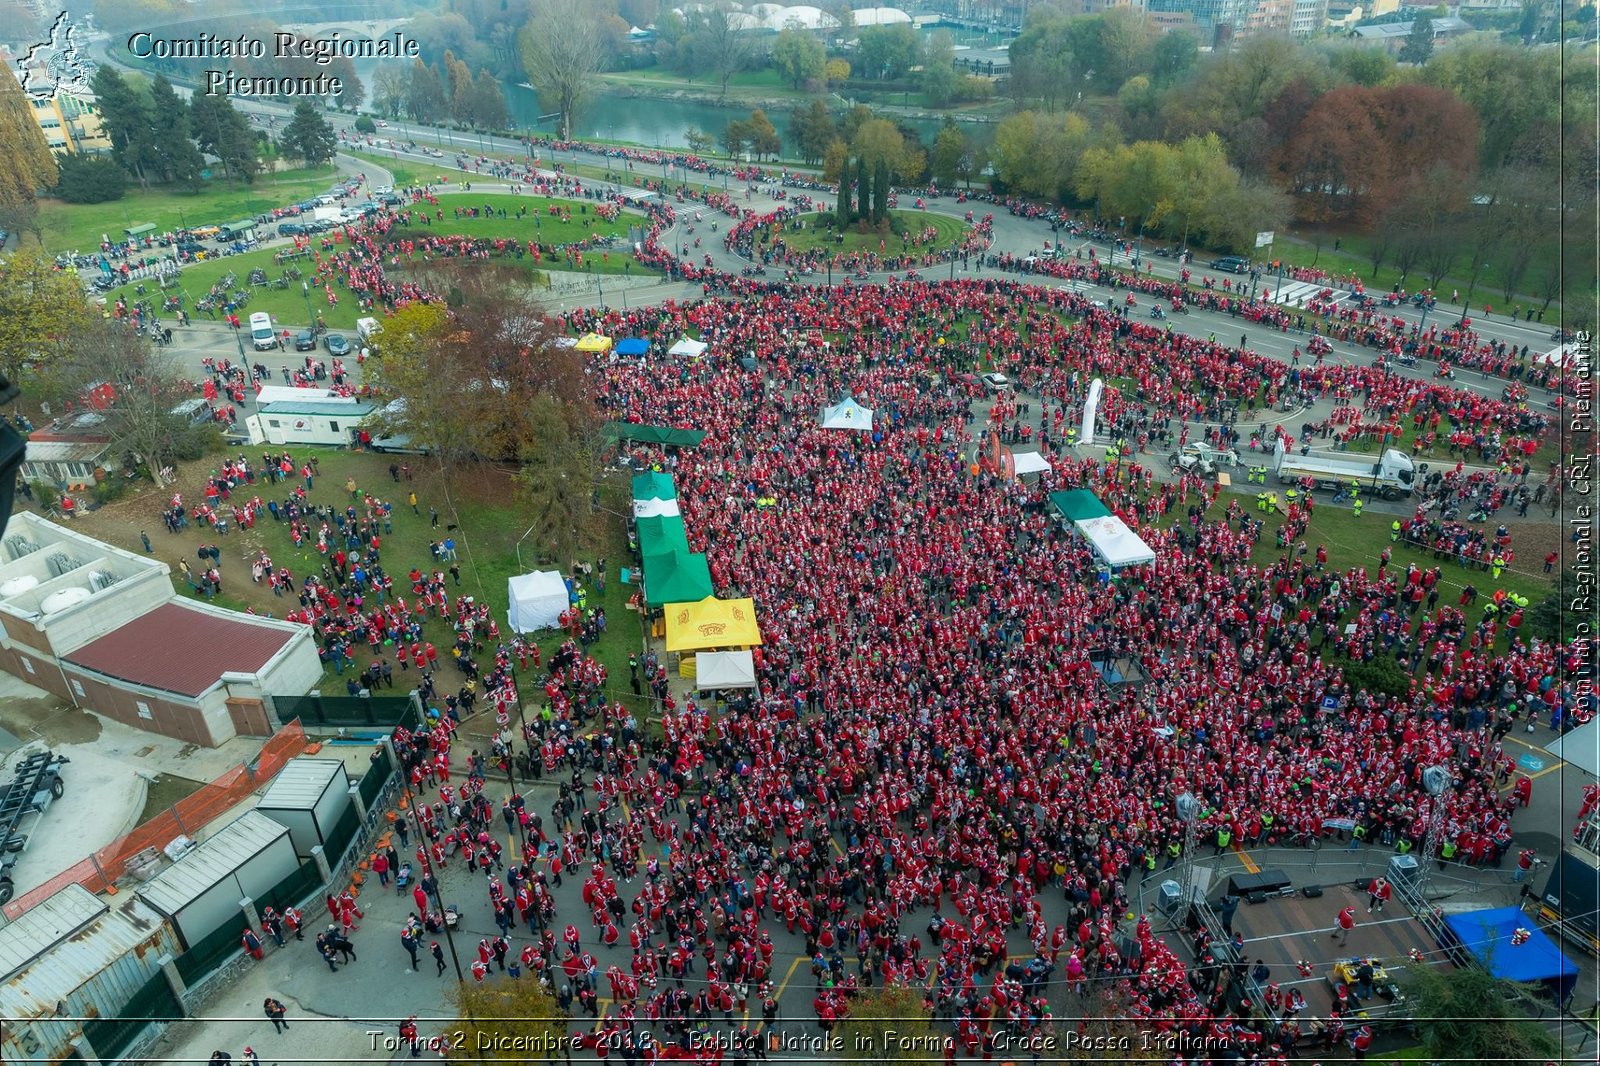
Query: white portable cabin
x=308, y=797
x=72, y=956
x=329, y=421
x=201, y=892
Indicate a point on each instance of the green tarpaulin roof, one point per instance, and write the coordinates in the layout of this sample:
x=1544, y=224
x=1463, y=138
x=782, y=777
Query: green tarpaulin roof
x=1078, y=505
x=682, y=438
x=675, y=576
x=662, y=533
x=654, y=487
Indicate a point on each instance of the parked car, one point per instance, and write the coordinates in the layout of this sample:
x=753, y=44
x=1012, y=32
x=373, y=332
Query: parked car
x=336, y=345
x=1236, y=264
x=996, y=382
x=305, y=341
x=290, y=229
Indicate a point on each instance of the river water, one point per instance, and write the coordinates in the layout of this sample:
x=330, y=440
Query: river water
x=653, y=122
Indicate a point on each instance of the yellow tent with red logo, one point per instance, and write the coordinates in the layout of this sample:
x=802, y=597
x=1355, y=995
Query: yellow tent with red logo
x=712, y=623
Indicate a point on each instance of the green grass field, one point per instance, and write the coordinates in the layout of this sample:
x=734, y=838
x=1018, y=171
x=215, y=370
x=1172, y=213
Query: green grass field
x=79, y=227
x=288, y=306
x=816, y=236
x=403, y=171
x=480, y=502
x=1353, y=258
x=1353, y=541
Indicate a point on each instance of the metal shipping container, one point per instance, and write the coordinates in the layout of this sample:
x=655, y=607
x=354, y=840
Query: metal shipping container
x=74, y=955
x=308, y=797
x=201, y=892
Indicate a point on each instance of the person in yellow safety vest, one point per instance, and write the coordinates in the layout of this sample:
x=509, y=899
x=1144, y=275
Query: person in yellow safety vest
x=1112, y=453
x=1497, y=565
x=1290, y=497
x=1261, y=501
x=1355, y=507
x=1394, y=531
x=1355, y=487
x=1072, y=434
x=1272, y=501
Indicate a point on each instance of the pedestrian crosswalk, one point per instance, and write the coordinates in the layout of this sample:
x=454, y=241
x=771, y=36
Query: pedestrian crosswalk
x=1292, y=293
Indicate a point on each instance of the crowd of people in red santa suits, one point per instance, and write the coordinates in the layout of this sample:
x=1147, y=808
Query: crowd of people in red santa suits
x=933, y=758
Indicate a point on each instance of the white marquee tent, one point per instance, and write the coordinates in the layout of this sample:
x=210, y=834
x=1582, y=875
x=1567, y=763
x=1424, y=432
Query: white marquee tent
x=655, y=509
x=1115, y=544
x=1029, y=462
x=847, y=414
x=689, y=348
x=724, y=669
x=537, y=600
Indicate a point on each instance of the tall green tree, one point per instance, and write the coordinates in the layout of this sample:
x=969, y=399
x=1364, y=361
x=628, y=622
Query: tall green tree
x=1467, y=1016
x=221, y=131
x=26, y=165
x=425, y=96
x=389, y=88
x=892, y=1025
x=720, y=43
x=489, y=102
x=880, y=192
x=1418, y=48
x=798, y=56
x=863, y=188
x=308, y=137
x=171, y=140
x=40, y=310
x=562, y=47
x=841, y=209
x=762, y=135
x=948, y=148
x=887, y=52
x=811, y=130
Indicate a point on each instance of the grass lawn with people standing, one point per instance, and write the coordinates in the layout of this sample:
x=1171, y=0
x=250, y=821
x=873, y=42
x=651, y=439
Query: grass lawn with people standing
x=479, y=502
x=79, y=227
x=817, y=235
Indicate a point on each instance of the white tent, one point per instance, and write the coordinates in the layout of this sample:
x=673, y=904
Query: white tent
x=689, y=348
x=655, y=509
x=1579, y=748
x=724, y=669
x=1029, y=462
x=537, y=600
x=1114, y=542
x=847, y=414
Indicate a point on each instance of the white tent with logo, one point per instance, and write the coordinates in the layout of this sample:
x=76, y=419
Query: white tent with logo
x=655, y=509
x=724, y=669
x=1029, y=463
x=537, y=600
x=689, y=348
x=847, y=414
x=1115, y=544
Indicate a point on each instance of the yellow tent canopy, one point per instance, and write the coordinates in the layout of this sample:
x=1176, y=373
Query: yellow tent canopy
x=594, y=342
x=712, y=623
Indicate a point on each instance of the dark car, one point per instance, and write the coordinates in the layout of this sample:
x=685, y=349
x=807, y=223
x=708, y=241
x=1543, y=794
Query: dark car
x=336, y=344
x=1236, y=264
x=290, y=229
x=305, y=341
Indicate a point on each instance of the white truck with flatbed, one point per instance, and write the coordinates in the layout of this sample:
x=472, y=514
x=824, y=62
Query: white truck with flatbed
x=1392, y=476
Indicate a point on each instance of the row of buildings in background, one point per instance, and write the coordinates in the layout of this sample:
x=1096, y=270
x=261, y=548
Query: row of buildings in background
x=1215, y=23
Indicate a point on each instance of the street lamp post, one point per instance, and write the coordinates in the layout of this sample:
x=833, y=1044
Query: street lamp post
x=438, y=893
x=305, y=290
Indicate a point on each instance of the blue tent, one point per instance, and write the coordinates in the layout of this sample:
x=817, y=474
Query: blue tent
x=633, y=346
x=1487, y=934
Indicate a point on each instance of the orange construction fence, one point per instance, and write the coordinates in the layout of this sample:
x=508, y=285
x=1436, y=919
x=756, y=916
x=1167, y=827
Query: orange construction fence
x=187, y=817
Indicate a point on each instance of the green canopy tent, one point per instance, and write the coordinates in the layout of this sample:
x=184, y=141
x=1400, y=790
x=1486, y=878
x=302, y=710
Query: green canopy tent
x=1078, y=505
x=675, y=576
x=654, y=487
x=678, y=438
x=662, y=533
